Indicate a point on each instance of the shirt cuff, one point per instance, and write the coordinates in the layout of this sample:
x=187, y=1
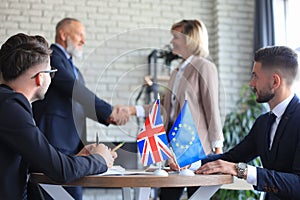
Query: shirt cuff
x=140, y=111
x=194, y=166
x=217, y=144
x=252, y=175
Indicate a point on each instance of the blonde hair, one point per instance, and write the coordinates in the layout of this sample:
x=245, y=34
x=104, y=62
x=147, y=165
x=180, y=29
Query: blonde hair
x=197, y=36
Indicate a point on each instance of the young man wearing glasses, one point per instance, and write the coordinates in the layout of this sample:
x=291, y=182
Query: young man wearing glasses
x=25, y=78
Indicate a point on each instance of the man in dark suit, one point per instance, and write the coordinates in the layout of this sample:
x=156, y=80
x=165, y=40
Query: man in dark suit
x=25, y=77
x=277, y=141
x=62, y=114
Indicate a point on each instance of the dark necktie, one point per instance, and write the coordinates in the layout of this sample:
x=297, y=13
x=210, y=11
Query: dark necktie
x=271, y=120
x=73, y=67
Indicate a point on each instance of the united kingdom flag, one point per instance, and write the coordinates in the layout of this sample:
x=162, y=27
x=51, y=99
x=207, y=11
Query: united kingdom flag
x=152, y=140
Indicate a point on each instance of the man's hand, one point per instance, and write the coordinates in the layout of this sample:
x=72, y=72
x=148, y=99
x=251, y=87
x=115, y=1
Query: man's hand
x=101, y=149
x=218, y=166
x=85, y=151
x=106, y=153
x=120, y=115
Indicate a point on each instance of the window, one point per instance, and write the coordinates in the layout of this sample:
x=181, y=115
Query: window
x=286, y=20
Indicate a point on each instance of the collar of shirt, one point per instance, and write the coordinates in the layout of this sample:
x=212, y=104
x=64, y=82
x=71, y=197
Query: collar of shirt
x=280, y=108
x=186, y=62
x=63, y=50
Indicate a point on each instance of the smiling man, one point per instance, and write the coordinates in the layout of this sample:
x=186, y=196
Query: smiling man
x=276, y=142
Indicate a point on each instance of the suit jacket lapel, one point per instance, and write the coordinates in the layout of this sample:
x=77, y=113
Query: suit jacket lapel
x=65, y=59
x=189, y=70
x=281, y=126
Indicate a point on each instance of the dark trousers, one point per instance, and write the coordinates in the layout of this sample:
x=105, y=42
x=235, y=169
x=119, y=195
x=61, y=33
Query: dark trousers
x=174, y=193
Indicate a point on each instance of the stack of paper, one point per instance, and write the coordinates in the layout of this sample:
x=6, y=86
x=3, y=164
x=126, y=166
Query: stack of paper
x=119, y=170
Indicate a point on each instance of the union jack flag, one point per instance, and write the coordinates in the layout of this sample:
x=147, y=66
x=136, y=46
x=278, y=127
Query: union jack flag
x=152, y=140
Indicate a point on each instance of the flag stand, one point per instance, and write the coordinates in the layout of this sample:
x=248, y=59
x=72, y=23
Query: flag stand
x=182, y=172
x=160, y=171
x=186, y=172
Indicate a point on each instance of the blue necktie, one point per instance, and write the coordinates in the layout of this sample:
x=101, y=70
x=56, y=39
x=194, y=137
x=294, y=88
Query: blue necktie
x=73, y=67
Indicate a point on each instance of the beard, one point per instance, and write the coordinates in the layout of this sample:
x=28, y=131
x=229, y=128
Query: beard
x=72, y=49
x=264, y=96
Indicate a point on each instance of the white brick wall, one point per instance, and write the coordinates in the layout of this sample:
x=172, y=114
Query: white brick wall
x=121, y=34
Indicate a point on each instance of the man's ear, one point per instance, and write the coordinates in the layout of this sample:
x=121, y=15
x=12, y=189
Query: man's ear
x=39, y=80
x=62, y=35
x=276, y=81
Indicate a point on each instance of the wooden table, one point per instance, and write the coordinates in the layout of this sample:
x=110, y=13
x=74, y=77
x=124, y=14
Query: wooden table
x=145, y=182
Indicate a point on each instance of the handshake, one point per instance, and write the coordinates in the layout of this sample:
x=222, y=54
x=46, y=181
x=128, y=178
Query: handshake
x=121, y=114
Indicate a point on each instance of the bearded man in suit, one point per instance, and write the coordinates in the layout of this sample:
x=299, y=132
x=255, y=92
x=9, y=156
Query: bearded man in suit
x=277, y=143
x=68, y=101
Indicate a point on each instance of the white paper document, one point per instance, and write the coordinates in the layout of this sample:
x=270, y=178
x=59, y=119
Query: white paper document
x=119, y=170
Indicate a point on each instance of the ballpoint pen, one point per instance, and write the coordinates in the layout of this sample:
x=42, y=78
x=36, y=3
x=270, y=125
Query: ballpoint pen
x=97, y=139
x=118, y=146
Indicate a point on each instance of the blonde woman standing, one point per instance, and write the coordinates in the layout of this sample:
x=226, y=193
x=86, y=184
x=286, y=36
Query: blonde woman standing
x=195, y=79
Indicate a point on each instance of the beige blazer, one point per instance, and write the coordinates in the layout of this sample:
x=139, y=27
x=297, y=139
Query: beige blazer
x=199, y=84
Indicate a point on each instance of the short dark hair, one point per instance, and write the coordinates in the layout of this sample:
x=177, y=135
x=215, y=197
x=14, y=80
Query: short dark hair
x=21, y=52
x=280, y=58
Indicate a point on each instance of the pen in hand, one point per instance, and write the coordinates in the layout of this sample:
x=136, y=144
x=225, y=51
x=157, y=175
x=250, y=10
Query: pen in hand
x=97, y=139
x=118, y=146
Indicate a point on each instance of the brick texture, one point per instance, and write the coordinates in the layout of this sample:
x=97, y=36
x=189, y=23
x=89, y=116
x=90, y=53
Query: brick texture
x=122, y=33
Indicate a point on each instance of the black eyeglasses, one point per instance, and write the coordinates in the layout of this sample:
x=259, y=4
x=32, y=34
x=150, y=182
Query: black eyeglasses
x=51, y=72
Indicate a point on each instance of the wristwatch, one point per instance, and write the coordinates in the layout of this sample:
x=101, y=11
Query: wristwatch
x=241, y=169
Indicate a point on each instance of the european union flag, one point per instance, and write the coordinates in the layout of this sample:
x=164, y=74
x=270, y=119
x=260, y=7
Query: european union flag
x=184, y=138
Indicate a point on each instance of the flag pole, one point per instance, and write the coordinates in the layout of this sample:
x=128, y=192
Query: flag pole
x=160, y=171
x=185, y=171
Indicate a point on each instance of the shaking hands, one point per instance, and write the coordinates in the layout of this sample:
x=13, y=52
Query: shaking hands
x=120, y=115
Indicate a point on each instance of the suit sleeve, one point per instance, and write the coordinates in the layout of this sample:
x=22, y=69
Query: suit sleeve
x=25, y=139
x=65, y=83
x=243, y=152
x=284, y=185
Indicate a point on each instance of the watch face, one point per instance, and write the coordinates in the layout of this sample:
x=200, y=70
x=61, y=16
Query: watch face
x=241, y=170
x=242, y=165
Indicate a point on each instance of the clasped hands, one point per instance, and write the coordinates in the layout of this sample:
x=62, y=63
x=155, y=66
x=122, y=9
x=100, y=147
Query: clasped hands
x=120, y=115
x=101, y=149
